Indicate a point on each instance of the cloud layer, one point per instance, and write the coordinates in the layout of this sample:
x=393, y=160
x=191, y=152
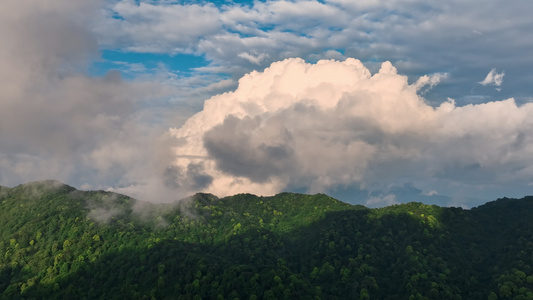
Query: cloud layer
x=456, y=37
x=334, y=124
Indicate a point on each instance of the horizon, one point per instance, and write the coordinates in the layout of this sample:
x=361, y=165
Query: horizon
x=54, y=184
x=374, y=103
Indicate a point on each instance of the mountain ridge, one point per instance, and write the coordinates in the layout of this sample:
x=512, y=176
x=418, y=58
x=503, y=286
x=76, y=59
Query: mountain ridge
x=52, y=183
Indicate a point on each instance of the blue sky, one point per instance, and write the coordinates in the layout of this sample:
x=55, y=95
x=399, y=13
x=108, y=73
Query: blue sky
x=131, y=64
x=110, y=95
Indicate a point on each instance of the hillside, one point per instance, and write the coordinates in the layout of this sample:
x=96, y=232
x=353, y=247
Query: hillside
x=58, y=242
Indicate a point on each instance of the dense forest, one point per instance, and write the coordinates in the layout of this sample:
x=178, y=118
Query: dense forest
x=57, y=242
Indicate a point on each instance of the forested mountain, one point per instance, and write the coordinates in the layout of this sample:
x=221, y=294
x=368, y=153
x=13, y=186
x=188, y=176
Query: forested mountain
x=60, y=243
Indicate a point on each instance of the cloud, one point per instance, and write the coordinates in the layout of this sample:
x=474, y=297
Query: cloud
x=251, y=58
x=430, y=193
x=58, y=122
x=103, y=215
x=387, y=200
x=313, y=127
x=237, y=37
x=419, y=38
x=320, y=126
x=493, y=78
x=147, y=27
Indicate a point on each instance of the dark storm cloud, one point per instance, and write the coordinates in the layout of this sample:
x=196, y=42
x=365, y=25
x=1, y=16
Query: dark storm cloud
x=242, y=147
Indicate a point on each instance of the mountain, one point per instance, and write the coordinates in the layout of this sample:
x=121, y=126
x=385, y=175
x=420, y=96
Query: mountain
x=57, y=242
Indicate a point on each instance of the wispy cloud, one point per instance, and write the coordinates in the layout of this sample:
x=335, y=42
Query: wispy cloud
x=387, y=200
x=493, y=78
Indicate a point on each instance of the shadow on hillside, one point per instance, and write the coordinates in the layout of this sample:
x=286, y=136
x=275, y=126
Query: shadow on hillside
x=390, y=255
x=179, y=270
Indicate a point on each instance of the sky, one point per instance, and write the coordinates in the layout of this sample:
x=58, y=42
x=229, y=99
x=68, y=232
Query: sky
x=374, y=102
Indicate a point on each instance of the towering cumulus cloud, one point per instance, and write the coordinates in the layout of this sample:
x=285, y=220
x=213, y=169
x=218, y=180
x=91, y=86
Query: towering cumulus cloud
x=332, y=124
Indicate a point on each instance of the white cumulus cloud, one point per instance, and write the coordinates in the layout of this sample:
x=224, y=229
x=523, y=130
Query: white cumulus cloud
x=333, y=123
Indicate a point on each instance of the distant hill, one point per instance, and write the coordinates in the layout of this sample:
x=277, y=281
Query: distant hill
x=57, y=242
